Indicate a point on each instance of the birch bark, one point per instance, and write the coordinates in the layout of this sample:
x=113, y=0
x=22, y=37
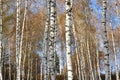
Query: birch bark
x=18, y=55
x=1, y=78
x=52, y=38
x=68, y=5
x=47, y=25
x=106, y=43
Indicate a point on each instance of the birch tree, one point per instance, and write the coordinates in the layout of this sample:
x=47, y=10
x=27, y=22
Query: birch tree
x=18, y=55
x=21, y=39
x=105, y=39
x=68, y=5
x=1, y=39
x=76, y=51
x=46, y=38
x=41, y=70
x=97, y=55
x=52, y=38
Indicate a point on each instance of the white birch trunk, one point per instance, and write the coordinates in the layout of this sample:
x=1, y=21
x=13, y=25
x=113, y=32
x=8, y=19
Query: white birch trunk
x=45, y=58
x=61, y=57
x=23, y=67
x=23, y=26
x=29, y=72
x=21, y=39
x=9, y=60
x=90, y=63
x=41, y=71
x=97, y=55
x=82, y=58
x=106, y=47
x=1, y=78
x=115, y=55
x=77, y=53
x=18, y=55
x=68, y=5
x=52, y=38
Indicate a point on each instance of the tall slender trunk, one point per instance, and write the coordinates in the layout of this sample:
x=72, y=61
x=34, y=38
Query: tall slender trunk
x=106, y=43
x=9, y=60
x=23, y=65
x=29, y=76
x=1, y=78
x=90, y=61
x=21, y=39
x=41, y=71
x=52, y=38
x=36, y=68
x=3, y=61
x=76, y=70
x=18, y=55
x=23, y=26
x=115, y=53
x=76, y=51
x=83, y=58
x=61, y=59
x=88, y=50
x=45, y=57
x=97, y=58
x=68, y=5
x=31, y=63
x=55, y=52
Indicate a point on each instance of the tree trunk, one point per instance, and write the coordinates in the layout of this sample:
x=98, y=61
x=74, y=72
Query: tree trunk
x=90, y=62
x=23, y=67
x=98, y=62
x=115, y=53
x=21, y=39
x=29, y=72
x=1, y=78
x=55, y=35
x=76, y=51
x=18, y=55
x=105, y=39
x=9, y=60
x=52, y=38
x=68, y=5
x=82, y=59
x=41, y=71
x=45, y=58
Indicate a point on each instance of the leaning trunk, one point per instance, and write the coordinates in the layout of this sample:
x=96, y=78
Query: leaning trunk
x=18, y=55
